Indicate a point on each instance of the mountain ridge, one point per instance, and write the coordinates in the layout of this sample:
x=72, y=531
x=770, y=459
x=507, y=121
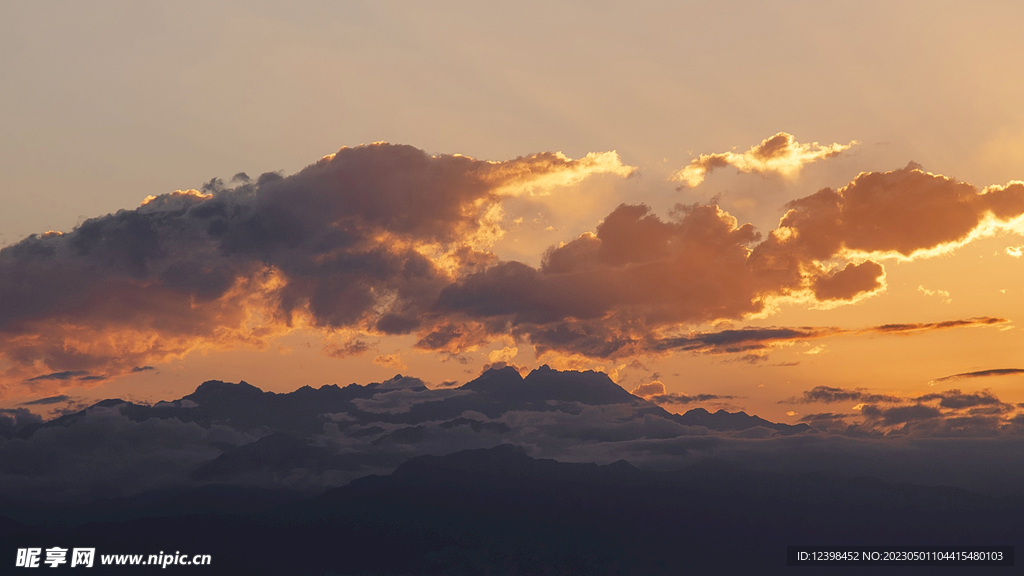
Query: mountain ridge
x=499, y=390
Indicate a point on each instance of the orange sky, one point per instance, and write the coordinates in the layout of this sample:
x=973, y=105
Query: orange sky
x=691, y=97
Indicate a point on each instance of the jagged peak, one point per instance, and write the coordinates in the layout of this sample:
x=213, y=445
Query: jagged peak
x=494, y=378
x=218, y=388
x=546, y=371
x=220, y=384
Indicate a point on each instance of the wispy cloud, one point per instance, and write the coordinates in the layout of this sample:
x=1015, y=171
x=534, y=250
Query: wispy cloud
x=747, y=339
x=655, y=392
x=46, y=401
x=65, y=375
x=982, y=374
x=781, y=154
x=390, y=361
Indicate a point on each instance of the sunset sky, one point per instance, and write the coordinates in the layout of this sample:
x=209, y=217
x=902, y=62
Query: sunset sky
x=789, y=208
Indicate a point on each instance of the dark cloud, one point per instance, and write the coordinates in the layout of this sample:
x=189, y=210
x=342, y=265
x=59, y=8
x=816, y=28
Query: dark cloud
x=748, y=339
x=900, y=414
x=45, y=401
x=930, y=421
x=65, y=375
x=831, y=421
x=383, y=240
x=743, y=339
x=355, y=242
x=983, y=374
x=831, y=395
x=957, y=399
x=947, y=413
x=138, y=369
x=683, y=399
x=928, y=326
x=14, y=420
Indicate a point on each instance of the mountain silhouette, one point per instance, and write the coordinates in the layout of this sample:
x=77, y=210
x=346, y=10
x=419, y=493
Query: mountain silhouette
x=493, y=393
x=306, y=441
x=499, y=511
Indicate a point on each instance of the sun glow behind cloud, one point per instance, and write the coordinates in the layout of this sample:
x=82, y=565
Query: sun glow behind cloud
x=780, y=154
x=380, y=243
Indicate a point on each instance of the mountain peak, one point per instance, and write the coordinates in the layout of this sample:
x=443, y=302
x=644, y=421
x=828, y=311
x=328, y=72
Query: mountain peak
x=216, y=392
x=722, y=420
x=545, y=384
x=495, y=379
x=588, y=387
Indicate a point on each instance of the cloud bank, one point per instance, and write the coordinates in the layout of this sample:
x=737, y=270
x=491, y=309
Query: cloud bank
x=951, y=413
x=387, y=240
x=364, y=239
x=625, y=288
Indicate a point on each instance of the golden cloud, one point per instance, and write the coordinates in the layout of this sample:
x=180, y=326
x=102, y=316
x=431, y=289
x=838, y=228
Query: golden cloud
x=388, y=240
x=362, y=241
x=780, y=154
